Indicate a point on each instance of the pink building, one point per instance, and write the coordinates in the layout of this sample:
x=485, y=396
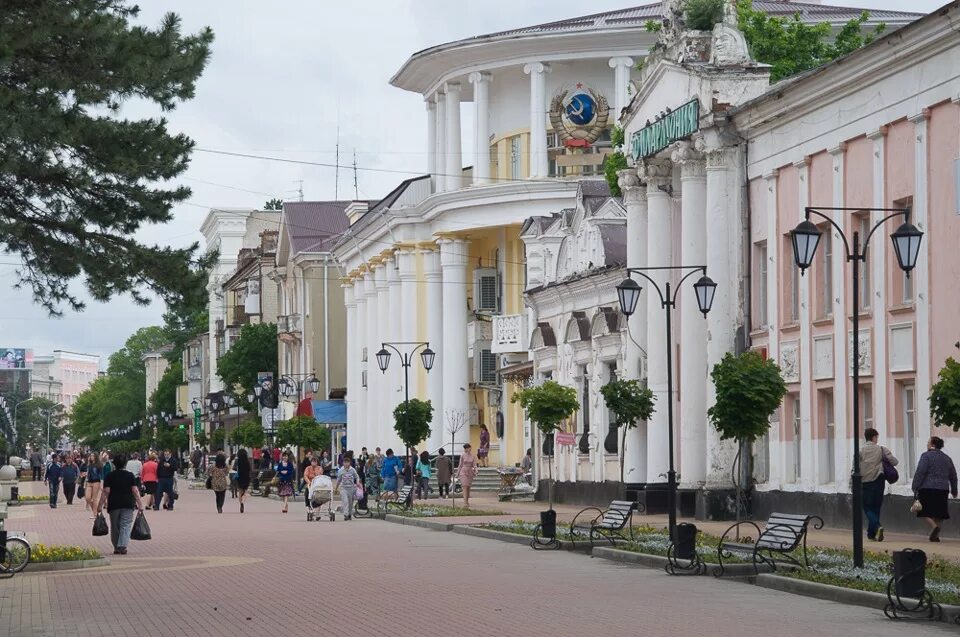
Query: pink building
x=75, y=372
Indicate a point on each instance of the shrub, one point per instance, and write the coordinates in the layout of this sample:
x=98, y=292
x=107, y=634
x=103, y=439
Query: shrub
x=703, y=14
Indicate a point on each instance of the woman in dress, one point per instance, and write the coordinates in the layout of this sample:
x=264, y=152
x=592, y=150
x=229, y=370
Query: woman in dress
x=92, y=482
x=219, y=479
x=286, y=472
x=934, y=478
x=148, y=478
x=484, y=450
x=466, y=472
x=243, y=475
x=233, y=476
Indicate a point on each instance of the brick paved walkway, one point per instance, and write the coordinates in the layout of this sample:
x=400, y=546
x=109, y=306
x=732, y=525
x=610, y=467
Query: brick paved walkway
x=232, y=574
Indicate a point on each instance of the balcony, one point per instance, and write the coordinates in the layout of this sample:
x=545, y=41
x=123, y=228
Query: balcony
x=237, y=315
x=289, y=327
x=478, y=332
x=509, y=334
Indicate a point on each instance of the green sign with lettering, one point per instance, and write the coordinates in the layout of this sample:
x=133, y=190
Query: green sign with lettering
x=197, y=426
x=672, y=127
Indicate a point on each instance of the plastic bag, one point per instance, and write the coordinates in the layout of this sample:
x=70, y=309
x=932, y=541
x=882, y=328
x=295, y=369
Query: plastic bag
x=100, y=526
x=141, y=530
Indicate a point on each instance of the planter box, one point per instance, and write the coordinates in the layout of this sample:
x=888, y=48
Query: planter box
x=34, y=567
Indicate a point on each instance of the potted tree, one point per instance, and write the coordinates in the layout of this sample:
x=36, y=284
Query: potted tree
x=945, y=396
x=547, y=405
x=749, y=389
x=630, y=403
x=412, y=420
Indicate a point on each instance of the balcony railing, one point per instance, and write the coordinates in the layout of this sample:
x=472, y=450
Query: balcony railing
x=238, y=316
x=509, y=334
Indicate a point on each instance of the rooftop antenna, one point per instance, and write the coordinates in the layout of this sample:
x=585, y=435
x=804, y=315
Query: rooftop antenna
x=356, y=194
x=336, y=173
x=299, y=188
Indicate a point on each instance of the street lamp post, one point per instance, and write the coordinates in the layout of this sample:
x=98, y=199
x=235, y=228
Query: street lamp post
x=49, y=413
x=427, y=357
x=906, y=245
x=628, y=293
x=15, y=408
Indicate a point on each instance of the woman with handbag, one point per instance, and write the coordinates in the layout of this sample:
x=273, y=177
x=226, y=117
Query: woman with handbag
x=286, y=472
x=934, y=478
x=877, y=468
x=92, y=482
x=219, y=479
x=120, y=493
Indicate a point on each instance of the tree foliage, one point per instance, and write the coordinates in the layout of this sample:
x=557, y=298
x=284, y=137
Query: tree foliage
x=749, y=391
x=412, y=421
x=255, y=351
x=630, y=403
x=303, y=432
x=248, y=434
x=791, y=46
x=703, y=14
x=77, y=180
x=32, y=423
x=945, y=396
x=615, y=161
x=273, y=204
x=547, y=405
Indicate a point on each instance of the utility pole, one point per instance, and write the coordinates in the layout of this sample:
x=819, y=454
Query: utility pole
x=336, y=171
x=356, y=194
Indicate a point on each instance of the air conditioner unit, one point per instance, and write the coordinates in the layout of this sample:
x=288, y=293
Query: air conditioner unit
x=363, y=378
x=486, y=290
x=219, y=325
x=484, y=365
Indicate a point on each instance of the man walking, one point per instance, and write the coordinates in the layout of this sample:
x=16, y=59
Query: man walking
x=196, y=459
x=135, y=467
x=52, y=479
x=444, y=472
x=301, y=481
x=36, y=463
x=69, y=472
x=166, y=474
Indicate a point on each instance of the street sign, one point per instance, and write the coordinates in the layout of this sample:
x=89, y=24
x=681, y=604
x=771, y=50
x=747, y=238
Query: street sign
x=672, y=127
x=196, y=421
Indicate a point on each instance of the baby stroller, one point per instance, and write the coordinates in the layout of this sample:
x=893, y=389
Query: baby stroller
x=320, y=493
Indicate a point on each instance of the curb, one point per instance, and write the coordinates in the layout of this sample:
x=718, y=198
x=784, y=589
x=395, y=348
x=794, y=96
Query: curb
x=65, y=566
x=733, y=571
x=515, y=538
x=21, y=503
x=420, y=522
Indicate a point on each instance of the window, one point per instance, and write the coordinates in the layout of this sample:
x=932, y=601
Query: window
x=866, y=293
x=908, y=394
x=762, y=284
x=796, y=439
x=828, y=469
x=826, y=274
x=866, y=406
x=515, y=157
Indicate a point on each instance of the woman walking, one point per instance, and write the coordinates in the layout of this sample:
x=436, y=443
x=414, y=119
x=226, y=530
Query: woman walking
x=148, y=478
x=872, y=457
x=120, y=493
x=466, y=472
x=92, y=482
x=347, y=482
x=389, y=473
x=484, y=450
x=286, y=472
x=219, y=479
x=233, y=476
x=934, y=478
x=423, y=475
x=243, y=475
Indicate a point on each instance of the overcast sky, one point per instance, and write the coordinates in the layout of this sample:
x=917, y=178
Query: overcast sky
x=282, y=76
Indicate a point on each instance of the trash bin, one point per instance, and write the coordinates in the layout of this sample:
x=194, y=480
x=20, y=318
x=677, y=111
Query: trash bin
x=685, y=541
x=909, y=572
x=548, y=524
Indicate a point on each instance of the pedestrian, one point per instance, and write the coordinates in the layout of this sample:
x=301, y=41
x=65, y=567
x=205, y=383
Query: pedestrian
x=347, y=482
x=36, y=463
x=120, y=494
x=527, y=467
x=466, y=472
x=92, y=482
x=286, y=474
x=484, y=450
x=166, y=474
x=390, y=472
x=51, y=478
x=304, y=464
x=258, y=456
x=325, y=463
x=135, y=467
x=196, y=460
x=148, y=478
x=423, y=475
x=233, y=476
x=219, y=479
x=69, y=474
x=872, y=456
x=410, y=468
x=935, y=477
x=444, y=472
x=371, y=486
x=311, y=472
x=106, y=464
x=276, y=456
x=378, y=459
x=243, y=475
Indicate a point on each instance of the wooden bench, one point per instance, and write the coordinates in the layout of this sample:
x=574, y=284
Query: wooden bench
x=781, y=536
x=402, y=501
x=607, y=524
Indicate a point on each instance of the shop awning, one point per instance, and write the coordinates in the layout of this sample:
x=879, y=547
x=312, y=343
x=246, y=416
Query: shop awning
x=330, y=412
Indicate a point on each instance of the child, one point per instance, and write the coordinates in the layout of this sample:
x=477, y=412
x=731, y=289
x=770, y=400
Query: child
x=372, y=485
x=423, y=475
x=347, y=482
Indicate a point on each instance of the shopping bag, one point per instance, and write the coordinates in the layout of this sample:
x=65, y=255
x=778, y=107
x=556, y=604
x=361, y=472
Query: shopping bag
x=100, y=525
x=141, y=530
x=81, y=490
x=209, y=483
x=359, y=492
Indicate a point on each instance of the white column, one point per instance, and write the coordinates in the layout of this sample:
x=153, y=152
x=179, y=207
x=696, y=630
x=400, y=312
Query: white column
x=723, y=231
x=481, y=127
x=635, y=199
x=921, y=276
x=393, y=379
x=621, y=79
x=841, y=459
x=358, y=418
x=453, y=262
x=877, y=265
x=808, y=480
x=777, y=458
x=538, y=117
x=405, y=315
x=693, y=325
x=440, y=179
x=431, y=105
x=659, y=176
x=454, y=159
x=353, y=369
x=372, y=428
x=434, y=319
x=388, y=397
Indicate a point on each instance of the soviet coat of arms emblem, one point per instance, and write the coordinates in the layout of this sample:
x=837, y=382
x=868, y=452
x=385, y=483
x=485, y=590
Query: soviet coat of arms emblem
x=579, y=116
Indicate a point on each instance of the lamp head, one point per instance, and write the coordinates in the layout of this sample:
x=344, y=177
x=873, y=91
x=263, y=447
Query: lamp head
x=628, y=292
x=805, y=238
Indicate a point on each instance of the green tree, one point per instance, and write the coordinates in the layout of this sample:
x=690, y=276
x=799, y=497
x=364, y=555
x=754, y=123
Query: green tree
x=255, y=351
x=945, y=396
x=110, y=401
x=201, y=438
x=630, y=403
x=703, y=14
x=217, y=438
x=412, y=421
x=273, y=204
x=303, y=432
x=164, y=399
x=615, y=161
x=78, y=179
x=547, y=405
x=791, y=46
x=248, y=434
x=32, y=419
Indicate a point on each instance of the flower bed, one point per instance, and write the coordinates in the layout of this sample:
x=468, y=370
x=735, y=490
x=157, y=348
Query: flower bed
x=33, y=498
x=42, y=553
x=441, y=511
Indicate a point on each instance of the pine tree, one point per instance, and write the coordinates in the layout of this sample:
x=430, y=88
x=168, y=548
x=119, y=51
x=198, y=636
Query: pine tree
x=77, y=179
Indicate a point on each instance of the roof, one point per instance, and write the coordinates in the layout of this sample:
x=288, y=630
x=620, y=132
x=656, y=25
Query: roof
x=313, y=226
x=381, y=206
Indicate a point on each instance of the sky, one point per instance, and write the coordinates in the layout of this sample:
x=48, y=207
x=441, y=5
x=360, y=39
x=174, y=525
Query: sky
x=283, y=78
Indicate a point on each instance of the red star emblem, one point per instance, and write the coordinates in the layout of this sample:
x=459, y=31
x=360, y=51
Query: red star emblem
x=579, y=85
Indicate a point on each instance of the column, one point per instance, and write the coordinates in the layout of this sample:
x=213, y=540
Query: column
x=454, y=159
x=635, y=200
x=405, y=316
x=353, y=369
x=481, y=127
x=808, y=479
x=877, y=264
x=538, y=118
x=776, y=455
x=693, y=326
x=358, y=417
x=434, y=320
x=372, y=427
x=659, y=176
x=843, y=447
x=453, y=264
x=723, y=230
x=431, y=105
x=393, y=379
x=621, y=80
x=388, y=397
x=920, y=274
x=439, y=178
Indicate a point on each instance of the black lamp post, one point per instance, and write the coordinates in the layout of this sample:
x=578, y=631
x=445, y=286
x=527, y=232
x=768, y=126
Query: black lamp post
x=906, y=245
x=628, y=293
x=427, y=357
x=294, y=384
